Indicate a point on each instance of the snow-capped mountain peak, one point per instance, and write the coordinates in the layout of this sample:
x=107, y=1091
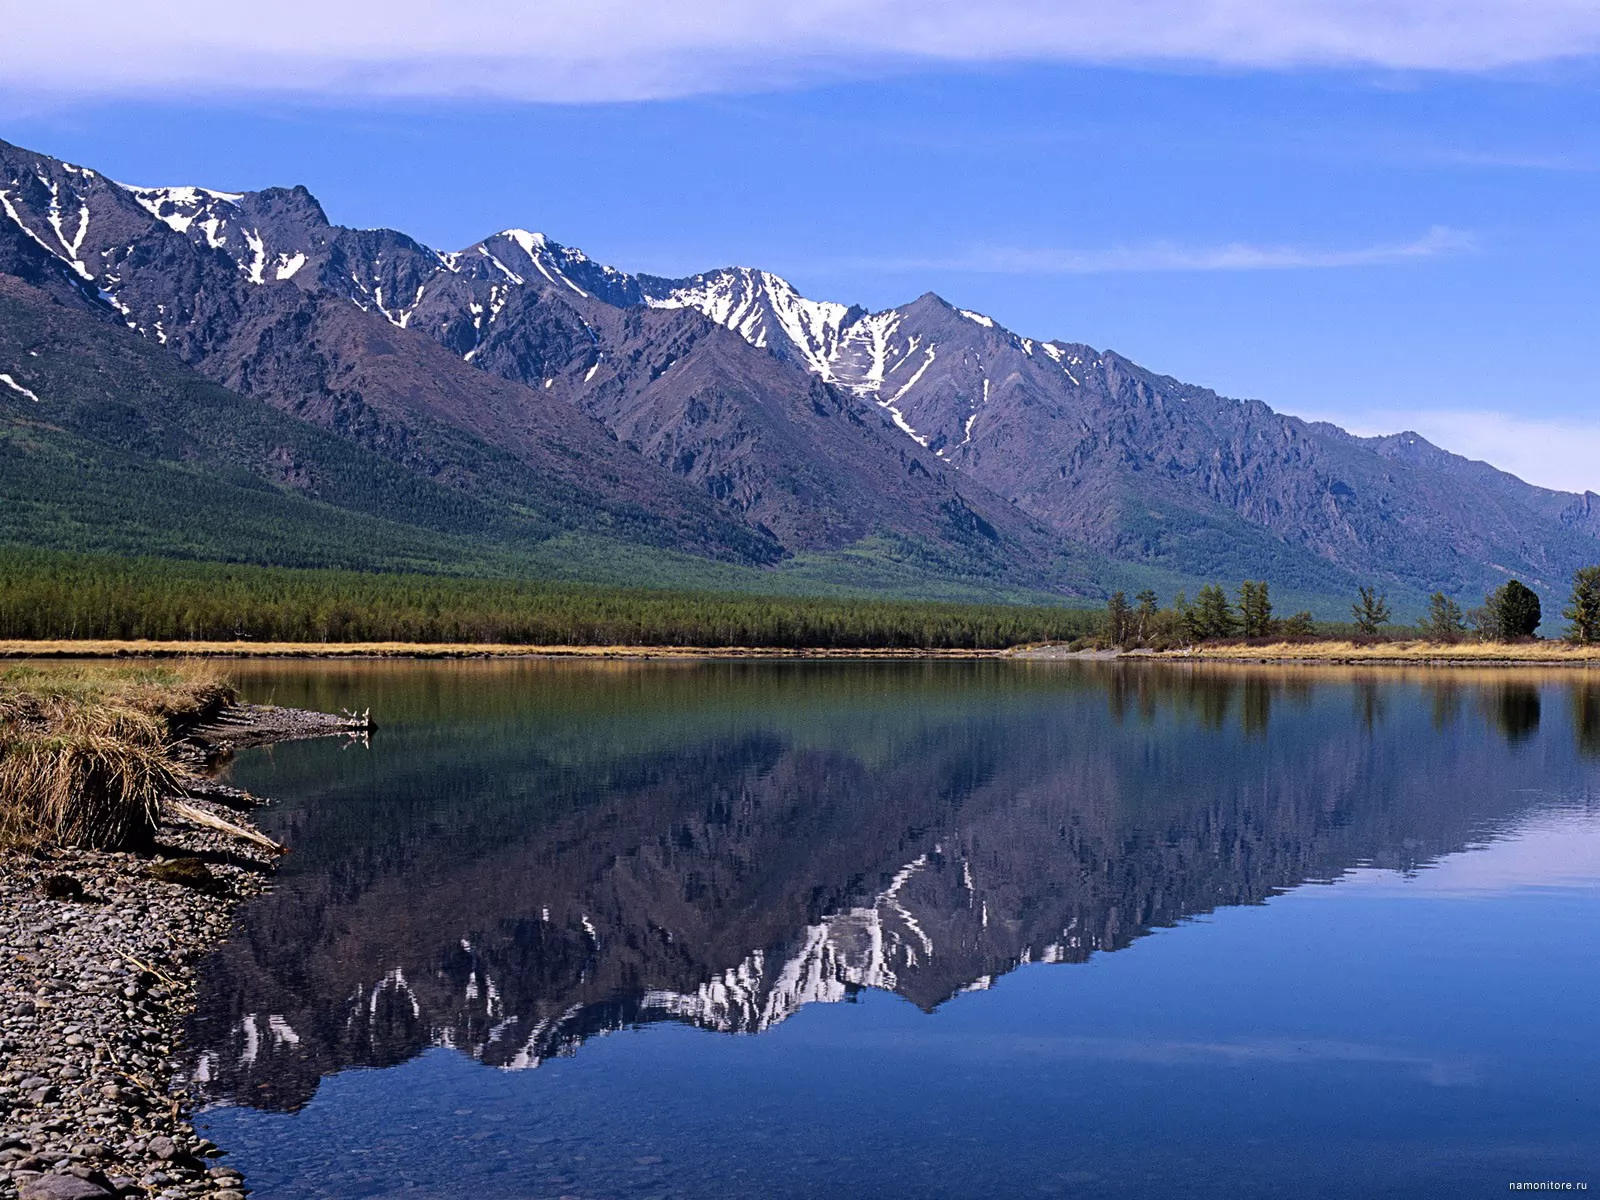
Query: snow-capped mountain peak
x=767, y=311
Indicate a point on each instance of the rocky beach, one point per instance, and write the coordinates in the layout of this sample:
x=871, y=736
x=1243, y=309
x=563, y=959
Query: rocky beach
x=98, y=953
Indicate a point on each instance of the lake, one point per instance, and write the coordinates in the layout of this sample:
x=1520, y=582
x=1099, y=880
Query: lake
x=916, y=929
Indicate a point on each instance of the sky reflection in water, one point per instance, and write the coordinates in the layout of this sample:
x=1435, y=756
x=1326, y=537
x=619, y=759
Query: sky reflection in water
x=1080, y=918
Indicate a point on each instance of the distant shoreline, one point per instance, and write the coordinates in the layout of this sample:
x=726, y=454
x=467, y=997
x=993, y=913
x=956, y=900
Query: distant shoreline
x=104, y=648
x=1400, y=654
x=1411, y=654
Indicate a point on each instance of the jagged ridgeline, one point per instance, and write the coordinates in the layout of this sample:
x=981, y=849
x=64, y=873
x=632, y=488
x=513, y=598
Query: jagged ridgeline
x=208, y=374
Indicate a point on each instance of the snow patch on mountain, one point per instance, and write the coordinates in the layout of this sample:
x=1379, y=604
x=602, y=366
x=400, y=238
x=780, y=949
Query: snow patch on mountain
x=258, y=260
x=11, y=211
x=530, y=242
x=17, y=387
x=179, y=207
x=766, y=311
x=862, y=947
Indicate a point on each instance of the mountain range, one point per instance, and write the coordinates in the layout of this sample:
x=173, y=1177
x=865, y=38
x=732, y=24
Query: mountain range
x=354, y=397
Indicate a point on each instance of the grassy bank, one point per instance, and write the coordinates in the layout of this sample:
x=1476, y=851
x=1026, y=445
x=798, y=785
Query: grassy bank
x=84, y=748
x=47, y=597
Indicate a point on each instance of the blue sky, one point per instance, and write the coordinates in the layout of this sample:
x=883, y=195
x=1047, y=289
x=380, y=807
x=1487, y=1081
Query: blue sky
x=1387, y=235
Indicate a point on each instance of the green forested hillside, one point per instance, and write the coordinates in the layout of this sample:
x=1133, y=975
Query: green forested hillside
x=115, y=415
x=128, y=451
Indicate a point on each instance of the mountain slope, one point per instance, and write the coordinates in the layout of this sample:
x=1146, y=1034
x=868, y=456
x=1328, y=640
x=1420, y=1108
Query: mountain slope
x=1148, y=469
x=728, y=416
x=350, y=372
x=109, y=444
x=261, y=293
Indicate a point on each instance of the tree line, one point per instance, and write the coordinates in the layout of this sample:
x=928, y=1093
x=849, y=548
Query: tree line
x=45, y=595
x=1210, y=616
x=1512, y=612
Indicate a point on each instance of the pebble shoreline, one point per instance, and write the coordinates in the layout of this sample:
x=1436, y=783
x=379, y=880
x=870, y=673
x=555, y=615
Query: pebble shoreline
x=94, y=990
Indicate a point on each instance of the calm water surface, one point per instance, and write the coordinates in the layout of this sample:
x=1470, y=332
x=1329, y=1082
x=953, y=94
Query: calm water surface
x=917, y=930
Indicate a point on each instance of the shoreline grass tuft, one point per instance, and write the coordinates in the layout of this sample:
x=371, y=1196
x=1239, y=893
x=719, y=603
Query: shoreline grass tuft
x=85, y=748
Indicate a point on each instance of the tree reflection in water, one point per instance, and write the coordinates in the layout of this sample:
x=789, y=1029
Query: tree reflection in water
x=534, y=853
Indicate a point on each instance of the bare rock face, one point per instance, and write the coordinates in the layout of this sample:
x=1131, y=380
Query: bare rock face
x=729, y=416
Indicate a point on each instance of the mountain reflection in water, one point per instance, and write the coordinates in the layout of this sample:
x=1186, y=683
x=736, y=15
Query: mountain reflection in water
x=533, y=853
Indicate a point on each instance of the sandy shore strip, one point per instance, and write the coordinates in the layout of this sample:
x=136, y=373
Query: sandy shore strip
x=1401, y=653
x=1378, y=654
x=428, y=650
x=97, y=975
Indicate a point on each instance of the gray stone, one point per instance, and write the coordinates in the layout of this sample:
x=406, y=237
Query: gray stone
x=63, y=1187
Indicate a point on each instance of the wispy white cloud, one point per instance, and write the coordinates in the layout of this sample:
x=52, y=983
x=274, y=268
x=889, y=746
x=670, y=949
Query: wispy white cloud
x=1553, y=452
x=1167, y=256
x=1302, y=1053
x=577, y=50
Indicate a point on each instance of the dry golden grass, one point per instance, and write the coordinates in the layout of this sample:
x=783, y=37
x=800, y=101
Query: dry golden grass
x=1465, y=653
x=83, y=747
x=163, y=650
x=82, y=789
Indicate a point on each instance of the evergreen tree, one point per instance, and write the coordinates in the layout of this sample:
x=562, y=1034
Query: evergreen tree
x=1371, y=611
x=1145, y=615
x=1301, y=627
x=1444, y=622
x=1511, y=611
x=1213, y=615
x=1119, y=620
x=1584, y=609
x=1255, y=609
x=1187, y=619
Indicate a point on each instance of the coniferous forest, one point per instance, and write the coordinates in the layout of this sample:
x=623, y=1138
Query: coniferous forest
x=45, y=595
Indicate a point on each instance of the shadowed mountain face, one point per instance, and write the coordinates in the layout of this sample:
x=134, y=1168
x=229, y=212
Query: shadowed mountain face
x=1147, y=469
x=530, y=855
x=727, y=415
x=654, y=417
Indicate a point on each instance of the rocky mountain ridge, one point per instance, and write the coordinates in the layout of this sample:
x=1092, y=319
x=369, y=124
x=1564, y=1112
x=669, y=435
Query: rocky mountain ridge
x=768, y=424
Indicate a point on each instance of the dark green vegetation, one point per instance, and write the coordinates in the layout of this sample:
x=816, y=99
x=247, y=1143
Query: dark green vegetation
x=1211, y=617
x=1511, y=613
x=1371, y=611
x=46, y=595
x=1444, y=622
x=1584, y=608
